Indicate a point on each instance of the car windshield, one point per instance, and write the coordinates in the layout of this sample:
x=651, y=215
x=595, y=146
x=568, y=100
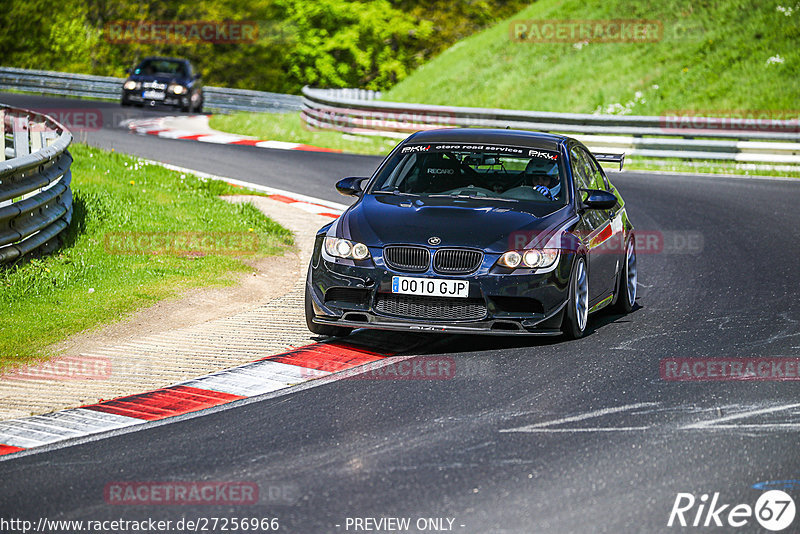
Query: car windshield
x=497, y=172
x=151, y=67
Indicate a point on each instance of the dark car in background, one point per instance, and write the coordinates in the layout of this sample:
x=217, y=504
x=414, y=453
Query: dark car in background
x=475, y=231
x=164, y=81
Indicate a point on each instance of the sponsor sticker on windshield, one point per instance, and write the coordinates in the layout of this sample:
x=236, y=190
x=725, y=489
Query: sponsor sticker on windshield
x=414, y=148
x=465, y=147
x=553, y=156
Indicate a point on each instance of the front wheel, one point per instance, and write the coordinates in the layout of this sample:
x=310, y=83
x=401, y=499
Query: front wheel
x=577, y=313
x=628, y=279
x=321, y=329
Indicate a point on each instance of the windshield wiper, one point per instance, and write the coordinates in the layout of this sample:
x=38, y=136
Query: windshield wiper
x=474, y=197
x=394, y=192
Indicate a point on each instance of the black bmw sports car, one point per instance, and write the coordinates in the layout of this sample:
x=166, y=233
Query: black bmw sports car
x=164, y=81
x=475, y=231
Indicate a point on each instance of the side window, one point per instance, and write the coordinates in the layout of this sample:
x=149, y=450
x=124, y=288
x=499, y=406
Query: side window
x=581, y=172
x=599, y=180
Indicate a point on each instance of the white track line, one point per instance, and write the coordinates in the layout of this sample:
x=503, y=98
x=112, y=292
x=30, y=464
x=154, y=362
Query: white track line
x=543, y=427
x=715, y=422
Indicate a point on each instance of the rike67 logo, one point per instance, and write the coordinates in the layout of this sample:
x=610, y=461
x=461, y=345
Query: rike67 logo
x=774, y=510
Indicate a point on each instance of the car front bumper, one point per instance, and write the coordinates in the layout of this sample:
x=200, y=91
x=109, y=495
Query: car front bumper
x=135, y=97
x=356, y=294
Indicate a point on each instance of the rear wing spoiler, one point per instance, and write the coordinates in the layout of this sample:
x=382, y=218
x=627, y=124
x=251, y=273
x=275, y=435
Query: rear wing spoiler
x=611, y=158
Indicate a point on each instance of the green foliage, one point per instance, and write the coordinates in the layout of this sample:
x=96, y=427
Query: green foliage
x=338, y=43
x=326, y=43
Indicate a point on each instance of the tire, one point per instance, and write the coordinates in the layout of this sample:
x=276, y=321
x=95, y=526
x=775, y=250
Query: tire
x=576, y=315
x=124, y=103
x=628, y=278
x=321, y=329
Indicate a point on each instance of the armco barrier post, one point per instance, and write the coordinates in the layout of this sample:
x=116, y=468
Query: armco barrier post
x=21, y=139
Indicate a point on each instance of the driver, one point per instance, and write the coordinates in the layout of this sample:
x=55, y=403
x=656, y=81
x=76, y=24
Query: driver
x=543, y=177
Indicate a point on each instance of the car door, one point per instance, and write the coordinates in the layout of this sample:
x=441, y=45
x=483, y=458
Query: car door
x=596, y=228
x=615, y=244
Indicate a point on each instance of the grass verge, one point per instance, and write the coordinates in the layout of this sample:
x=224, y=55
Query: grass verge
x=290, y=128
x=718, y=58
x=710, y=167
x=87, y=283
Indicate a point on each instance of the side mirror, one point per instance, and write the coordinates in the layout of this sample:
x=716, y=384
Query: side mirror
x=198, y=75
x=128, y=70
x=350, y=187
x=599, y=200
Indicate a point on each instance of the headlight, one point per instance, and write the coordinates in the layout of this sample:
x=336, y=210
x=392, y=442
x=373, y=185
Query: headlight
x=532, y=258
x=510, y=259
x=342, y=248
x=130, y=85
x=177, y=89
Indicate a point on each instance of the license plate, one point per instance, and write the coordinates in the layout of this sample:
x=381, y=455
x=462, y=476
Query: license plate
x=153, y=95
x=430, y=287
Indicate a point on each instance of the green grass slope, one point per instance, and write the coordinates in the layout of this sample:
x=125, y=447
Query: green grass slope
x=714, y=57
x=92, y=281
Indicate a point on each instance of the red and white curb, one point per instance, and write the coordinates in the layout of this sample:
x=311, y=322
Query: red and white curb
x=280, y=374
x=165, y=127
x=318, y=206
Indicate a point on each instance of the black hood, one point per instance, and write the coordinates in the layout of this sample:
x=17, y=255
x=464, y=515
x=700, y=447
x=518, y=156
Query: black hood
x=492, y=226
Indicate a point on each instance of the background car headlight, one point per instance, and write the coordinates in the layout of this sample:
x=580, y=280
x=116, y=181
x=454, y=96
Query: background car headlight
x=342, y=248
x=130, y=85
x=531, y=258
x=177, y=89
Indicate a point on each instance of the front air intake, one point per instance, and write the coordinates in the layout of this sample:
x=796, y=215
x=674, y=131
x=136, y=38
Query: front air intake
x=456, y=260
x=407, y=258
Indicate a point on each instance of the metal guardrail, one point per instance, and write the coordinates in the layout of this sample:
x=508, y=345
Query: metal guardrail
x=359, y=112
x=110, y=88
x=35, y=197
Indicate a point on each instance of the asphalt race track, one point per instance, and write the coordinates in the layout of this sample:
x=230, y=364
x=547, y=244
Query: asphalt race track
x=280, y=169
x=529, y=435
